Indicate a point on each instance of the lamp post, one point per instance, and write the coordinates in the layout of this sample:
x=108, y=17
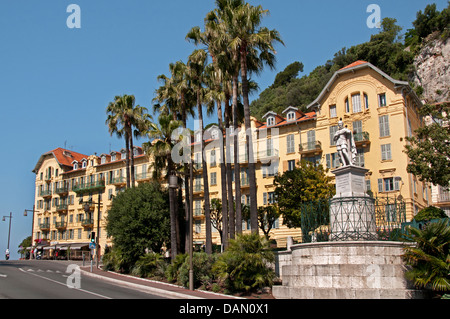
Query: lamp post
x=87, y=208
x=9, y=231
x=25, y=213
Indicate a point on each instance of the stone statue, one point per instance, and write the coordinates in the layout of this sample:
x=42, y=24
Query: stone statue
x=345, y=145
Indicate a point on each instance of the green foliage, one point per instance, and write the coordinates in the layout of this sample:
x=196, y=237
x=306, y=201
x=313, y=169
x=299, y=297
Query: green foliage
x=244, y=265
x=429, y=258
x=429, y=150
x=139, y=220
x=147, y=265
x=202, y=265
x=173, y=269
x=113, y=260
x=430, y=213
x=305, y=183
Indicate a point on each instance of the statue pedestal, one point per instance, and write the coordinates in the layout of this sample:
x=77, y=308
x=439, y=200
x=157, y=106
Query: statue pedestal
x=352, y=211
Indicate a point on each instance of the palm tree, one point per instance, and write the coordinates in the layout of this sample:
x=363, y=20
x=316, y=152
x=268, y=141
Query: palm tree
x=120, y=122
x=245, y=36
x=197, y=63
x=177, y=94
x=429, y=258
x=160, y=147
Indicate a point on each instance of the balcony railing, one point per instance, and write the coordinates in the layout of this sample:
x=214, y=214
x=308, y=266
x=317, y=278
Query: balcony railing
x=44, y=226
x=87, y=222
x=118, y=180
x=89, y=187
x=362, y=138
x=62, y=190
x=60, y=224
x=310, y=147
x=62, y=207
x=45, y=193
x=444, y=197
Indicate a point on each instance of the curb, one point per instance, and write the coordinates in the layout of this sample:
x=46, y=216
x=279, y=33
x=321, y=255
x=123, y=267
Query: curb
x=156, y=291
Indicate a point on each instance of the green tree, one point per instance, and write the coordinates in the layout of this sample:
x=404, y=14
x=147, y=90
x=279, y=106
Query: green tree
x=305, y=183
x=429, y=149
x=430, y=213
x=139, y=219
x=429, y=257
x=267, y=215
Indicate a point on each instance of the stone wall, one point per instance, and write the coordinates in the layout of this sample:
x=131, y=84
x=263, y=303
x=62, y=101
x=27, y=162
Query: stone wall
x=344, y=270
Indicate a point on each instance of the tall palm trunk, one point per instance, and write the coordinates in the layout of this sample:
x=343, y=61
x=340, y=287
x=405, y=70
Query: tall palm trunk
x=223, y=175
x=132, y=161
x=127, y=157
x=173, y=216
x=249, y=142
x=208, y=244
x=187, y=176
x=237, y=166
x=229, y=171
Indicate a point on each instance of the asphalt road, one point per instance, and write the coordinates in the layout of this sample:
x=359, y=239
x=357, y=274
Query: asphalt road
x=40, y=279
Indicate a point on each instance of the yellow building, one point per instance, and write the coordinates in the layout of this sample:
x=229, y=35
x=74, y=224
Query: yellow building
x=73, y=194
x=381, y=112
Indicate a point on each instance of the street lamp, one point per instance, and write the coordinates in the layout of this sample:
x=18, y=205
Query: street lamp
x=25, y=213
x=9, y=232
x=87, y=208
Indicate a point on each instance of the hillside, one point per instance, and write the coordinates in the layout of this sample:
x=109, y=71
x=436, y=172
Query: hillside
x=418, y=58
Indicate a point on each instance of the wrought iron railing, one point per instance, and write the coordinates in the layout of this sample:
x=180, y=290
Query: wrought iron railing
x=352, y=218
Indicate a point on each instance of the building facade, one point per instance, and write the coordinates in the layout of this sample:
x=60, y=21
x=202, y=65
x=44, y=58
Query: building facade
x=74, y=191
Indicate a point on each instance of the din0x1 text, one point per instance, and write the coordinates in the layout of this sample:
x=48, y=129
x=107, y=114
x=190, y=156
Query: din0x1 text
x=244, y=308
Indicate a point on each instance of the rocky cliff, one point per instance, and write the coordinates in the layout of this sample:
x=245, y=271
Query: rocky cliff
x=432, y=70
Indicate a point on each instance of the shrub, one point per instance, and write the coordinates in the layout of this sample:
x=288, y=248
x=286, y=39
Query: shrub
x=430, y=213
x=202, y=264
x=245, y=265
x=147, y=265
x=172, y=270
x=113, y=260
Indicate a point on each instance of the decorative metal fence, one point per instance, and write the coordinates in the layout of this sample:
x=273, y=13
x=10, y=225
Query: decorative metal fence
x=352, y=218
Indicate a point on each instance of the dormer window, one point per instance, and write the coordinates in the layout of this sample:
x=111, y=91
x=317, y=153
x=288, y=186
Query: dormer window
x=270, y=121
x=198, y=137
x=113, y=156
x=75, y=165
x=103, y=159
x=83, y=163
x=291, y=116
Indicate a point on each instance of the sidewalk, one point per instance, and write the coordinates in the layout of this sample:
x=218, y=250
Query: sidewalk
x=157, y=288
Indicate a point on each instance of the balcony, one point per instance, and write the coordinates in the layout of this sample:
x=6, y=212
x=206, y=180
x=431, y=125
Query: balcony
x=198, y=213
x=310, y=148
x=62, y=190
x=444, y=197
x=87, y=223
x=44, y=226
x=362, y=139
x=61, y=225
x=89, y=187
x=143, y=177
x=118, y=181
x=198, y=189
x=62, y=208
x=45, y=193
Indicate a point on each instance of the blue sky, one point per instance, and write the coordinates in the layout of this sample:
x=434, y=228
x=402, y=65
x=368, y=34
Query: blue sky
x=55, y=82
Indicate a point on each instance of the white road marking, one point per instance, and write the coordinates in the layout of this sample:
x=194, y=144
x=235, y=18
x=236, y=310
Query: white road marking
x=63, y=284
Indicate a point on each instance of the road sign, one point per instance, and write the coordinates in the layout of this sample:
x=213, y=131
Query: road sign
x=91, y=245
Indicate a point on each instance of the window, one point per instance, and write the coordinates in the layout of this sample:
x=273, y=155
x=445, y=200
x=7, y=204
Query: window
x=333, y=130
x=75, y=166
x=212, y=158
x=356, y=103
x=357, y=127
x=269, y=198
x=333, y=112
x=103, y=161
x=270, y=121
x=382, y=100
x=333, y=160
x=360, y=157
x=366, y=101
x=198, y=137
x=347, y=106
x=386, y=154
x=291, y=116
x=389, y=184
x=384, y=126
x=291, y=165
x=269, y=147
x=198, y=226
x=270, y=170
x=290, y=141
x=214, y=178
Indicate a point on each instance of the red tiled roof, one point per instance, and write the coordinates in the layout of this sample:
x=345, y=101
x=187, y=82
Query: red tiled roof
x=66, y=157
x=359, y=62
